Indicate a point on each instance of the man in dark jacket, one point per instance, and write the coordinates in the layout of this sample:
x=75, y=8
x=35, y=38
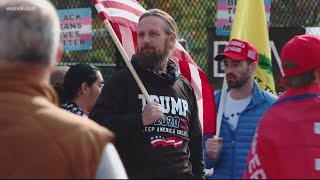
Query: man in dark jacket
x=161, y=139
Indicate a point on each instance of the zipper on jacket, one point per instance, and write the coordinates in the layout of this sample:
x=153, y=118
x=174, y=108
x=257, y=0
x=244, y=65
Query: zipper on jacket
x=233, y=149
x=233, y=146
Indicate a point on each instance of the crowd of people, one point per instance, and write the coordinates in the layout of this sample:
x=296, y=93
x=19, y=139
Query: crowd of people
x=66, y=122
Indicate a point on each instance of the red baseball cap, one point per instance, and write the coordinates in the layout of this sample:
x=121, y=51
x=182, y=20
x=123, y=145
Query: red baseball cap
x=239, y=50
x=304, y=50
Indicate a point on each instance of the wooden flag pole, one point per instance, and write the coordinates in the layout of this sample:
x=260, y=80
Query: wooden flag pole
x=126, y=60
x=221, y=107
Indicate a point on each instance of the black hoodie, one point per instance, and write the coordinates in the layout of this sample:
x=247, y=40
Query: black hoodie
x=171, y=147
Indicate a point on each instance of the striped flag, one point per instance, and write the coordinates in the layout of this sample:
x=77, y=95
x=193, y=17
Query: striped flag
x=250, y=24
x=123, y=16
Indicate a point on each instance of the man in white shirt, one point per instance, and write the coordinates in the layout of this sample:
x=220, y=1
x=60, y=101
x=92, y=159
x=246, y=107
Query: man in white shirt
x=245, y=104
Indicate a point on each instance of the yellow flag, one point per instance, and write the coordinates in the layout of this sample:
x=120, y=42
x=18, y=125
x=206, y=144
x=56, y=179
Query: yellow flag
x=250, y=24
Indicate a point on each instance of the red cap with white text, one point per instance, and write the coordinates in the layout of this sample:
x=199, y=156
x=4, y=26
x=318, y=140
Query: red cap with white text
x=239, y=50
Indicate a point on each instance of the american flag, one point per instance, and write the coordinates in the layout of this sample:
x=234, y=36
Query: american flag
x=170, y=141
x=123, y=16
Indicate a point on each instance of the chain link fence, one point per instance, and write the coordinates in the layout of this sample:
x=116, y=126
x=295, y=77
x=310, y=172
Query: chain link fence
x=193, y=18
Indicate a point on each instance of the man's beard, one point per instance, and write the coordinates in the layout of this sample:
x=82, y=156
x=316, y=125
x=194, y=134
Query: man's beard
x=237, y=82
x=154, y=59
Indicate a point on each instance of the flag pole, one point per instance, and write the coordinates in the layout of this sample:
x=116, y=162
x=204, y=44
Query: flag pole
x=221, y=107
x=126, y=60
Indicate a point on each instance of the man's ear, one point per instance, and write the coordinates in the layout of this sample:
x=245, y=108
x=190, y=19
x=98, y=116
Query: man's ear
x=59, y=54
x=173, y=39
x=84, y=88
x=317, y=75
x=58, y=57
x=254, y=67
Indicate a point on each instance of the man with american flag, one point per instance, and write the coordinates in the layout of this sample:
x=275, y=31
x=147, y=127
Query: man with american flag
x=161, y=138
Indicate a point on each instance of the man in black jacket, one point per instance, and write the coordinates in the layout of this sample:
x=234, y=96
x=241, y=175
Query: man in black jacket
x=161, y=139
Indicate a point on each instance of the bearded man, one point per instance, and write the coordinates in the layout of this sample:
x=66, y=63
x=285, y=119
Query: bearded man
x=244, y=106
x=161, y=139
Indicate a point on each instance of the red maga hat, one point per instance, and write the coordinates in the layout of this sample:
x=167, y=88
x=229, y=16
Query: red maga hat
x=304, y=51
x=239, y=50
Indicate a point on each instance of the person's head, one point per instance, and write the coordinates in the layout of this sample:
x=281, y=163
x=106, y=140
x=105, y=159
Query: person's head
x=29, y=36
x=157, y=33
x=184, y=44
x=56, y=81
x=240, y=59
x=82, y=85
x=301, y=61
x=57, y=76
